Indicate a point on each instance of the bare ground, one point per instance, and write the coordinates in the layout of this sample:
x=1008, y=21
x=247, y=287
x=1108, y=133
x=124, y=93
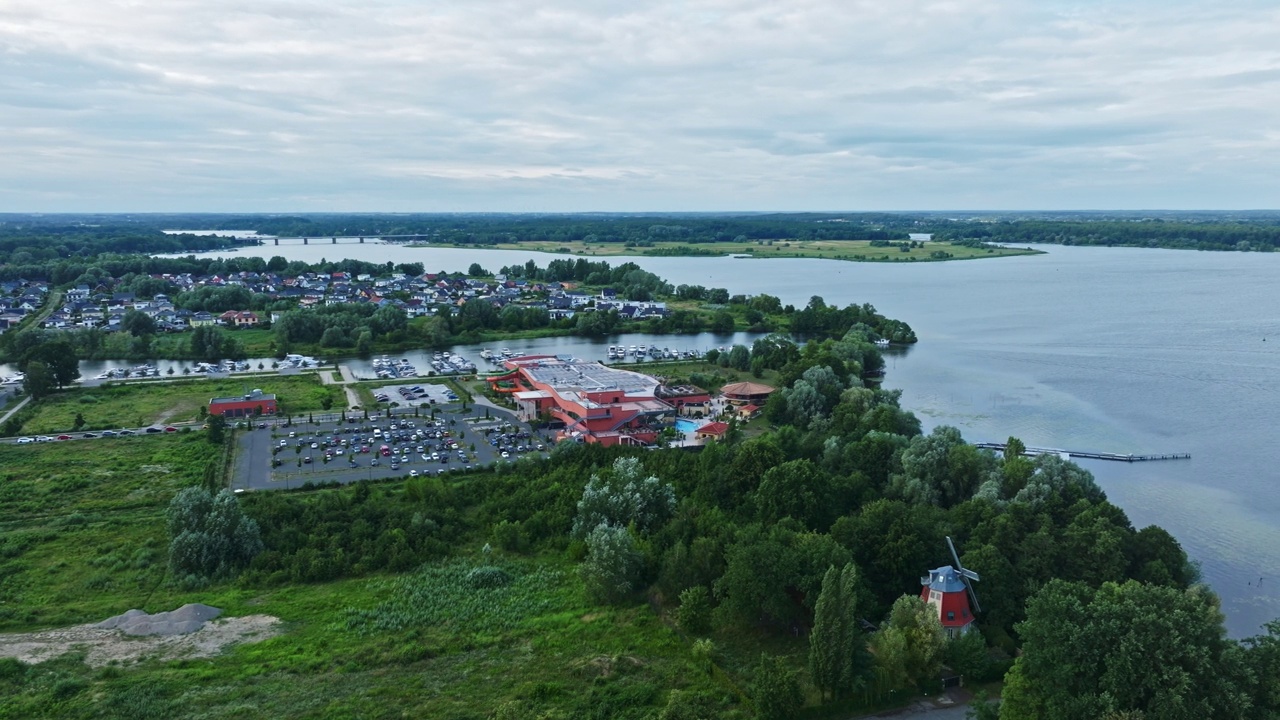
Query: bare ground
x=103, y=646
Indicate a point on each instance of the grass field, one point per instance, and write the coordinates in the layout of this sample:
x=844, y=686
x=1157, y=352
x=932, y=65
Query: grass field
x=852, y=250
x=139, y=404
x=82, y=537
x=82, y=527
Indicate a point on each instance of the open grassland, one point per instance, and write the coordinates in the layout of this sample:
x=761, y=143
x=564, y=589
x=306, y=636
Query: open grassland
x=852, y=250
x=82, y=523
x=138, y=404
x=460, y=637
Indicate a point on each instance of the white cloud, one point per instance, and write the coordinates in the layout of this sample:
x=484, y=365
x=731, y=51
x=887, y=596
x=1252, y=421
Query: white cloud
x=702, y=104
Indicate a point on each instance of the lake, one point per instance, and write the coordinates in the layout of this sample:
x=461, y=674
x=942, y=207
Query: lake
x=1109, y=349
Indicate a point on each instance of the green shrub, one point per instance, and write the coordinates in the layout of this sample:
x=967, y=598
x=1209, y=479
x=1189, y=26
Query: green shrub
x=488, y=577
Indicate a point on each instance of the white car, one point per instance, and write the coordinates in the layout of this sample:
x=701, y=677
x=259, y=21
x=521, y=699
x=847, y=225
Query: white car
x=25, y=440
x=413, y=473
x=44, y=438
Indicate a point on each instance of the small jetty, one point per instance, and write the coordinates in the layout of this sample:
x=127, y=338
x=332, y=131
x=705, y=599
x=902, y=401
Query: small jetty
x=1067, y=454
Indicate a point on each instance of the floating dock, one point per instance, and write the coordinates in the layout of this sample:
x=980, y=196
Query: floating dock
x=1066, y=454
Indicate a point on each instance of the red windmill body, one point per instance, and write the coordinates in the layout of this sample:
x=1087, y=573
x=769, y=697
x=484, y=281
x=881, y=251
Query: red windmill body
x=949, y=591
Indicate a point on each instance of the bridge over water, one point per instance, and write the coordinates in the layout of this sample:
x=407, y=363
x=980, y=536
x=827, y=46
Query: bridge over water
x=343, y=239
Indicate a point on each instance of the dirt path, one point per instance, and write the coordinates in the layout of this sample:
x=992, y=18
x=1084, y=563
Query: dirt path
x=103, y=646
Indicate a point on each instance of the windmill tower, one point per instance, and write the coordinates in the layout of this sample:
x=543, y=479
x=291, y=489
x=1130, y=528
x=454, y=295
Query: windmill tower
x=950, y=589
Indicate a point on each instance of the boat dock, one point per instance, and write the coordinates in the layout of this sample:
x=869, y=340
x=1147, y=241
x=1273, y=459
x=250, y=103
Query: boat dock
x=1066, y=454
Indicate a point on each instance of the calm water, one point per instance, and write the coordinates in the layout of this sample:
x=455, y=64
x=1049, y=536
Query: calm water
x=1121, y=350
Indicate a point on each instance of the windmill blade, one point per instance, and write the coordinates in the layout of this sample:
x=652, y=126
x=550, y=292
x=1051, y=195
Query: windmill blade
x=966, y=576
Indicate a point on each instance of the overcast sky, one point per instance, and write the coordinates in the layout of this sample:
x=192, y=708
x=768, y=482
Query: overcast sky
x=336, y=105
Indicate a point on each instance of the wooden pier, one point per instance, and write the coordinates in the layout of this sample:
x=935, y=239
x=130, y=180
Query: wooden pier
x=1117, y=457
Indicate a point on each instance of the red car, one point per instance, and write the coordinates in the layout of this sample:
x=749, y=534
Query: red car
x=170, y=428
x=63, y=437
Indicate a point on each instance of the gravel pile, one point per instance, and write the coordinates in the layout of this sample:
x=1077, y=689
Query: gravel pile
x=186, y=619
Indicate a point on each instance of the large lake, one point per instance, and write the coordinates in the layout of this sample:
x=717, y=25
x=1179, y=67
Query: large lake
x=1123, y=350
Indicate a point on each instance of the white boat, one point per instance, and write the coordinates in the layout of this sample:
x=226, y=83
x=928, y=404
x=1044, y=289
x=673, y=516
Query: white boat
x=882, y=343
x=486, y=354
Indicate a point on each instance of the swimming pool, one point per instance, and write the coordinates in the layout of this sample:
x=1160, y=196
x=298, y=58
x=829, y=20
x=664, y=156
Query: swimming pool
x=687, y=426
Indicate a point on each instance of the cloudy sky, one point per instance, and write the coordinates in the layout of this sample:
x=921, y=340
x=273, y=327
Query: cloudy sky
x=561, y=105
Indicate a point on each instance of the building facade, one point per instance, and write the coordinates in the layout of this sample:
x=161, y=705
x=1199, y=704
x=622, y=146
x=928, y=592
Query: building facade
x=248, y=405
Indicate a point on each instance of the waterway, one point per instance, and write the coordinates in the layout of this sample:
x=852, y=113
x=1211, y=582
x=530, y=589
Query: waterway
x=1109, y=349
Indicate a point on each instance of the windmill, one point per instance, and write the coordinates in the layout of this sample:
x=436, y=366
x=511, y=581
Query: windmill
x=950, y=589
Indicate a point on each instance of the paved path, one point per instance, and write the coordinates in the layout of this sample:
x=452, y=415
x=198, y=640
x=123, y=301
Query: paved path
x=15, y=409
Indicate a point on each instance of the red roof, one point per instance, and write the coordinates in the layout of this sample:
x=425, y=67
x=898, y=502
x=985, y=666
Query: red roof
x=750, y=409
x=714, y=428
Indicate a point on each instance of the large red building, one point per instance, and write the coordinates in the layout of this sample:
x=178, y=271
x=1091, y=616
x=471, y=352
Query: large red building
x=594, y=403
x=247, y=405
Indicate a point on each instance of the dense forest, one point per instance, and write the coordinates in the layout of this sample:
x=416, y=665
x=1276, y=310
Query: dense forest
x=1243, y=236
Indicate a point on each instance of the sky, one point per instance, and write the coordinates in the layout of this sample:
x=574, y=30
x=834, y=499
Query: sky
x=696, y=105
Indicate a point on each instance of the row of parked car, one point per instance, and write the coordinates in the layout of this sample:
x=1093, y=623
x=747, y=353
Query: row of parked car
x=105, y=433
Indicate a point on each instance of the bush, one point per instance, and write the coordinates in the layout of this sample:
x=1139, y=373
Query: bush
x=488, y=576
x=694, y=615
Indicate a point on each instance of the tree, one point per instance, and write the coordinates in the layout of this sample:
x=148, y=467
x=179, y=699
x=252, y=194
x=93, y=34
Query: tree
x=612, y=563
x=722, y=322
x=694, y=615
x=217, y=429
x=39, y=380
x=797, y=489
x=210, y=536
x=775, y=690
x=621, y=498
x=1122, y=648
x=477, y=271
x=138, y=323
x=941, y=469
x=59, y=356
x=908, y=648
x=836, y=648
x=79, y=421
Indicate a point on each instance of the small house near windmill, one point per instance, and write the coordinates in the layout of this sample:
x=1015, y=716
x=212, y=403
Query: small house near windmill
x=948, y=590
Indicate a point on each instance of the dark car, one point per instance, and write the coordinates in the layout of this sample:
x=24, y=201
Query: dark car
x=90, y=435
x=154, y=430
x=128, y=432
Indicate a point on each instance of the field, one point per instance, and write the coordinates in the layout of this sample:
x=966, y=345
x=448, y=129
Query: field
x=81, y=524
x=82, y=538
x=852, y=250
x=139, y=404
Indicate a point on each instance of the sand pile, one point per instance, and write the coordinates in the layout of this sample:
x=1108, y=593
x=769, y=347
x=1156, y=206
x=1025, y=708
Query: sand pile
x=188, y=632
x=186, y=619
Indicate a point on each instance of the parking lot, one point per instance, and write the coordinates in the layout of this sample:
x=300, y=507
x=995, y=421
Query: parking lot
x=344, y=451
x=415, y=394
